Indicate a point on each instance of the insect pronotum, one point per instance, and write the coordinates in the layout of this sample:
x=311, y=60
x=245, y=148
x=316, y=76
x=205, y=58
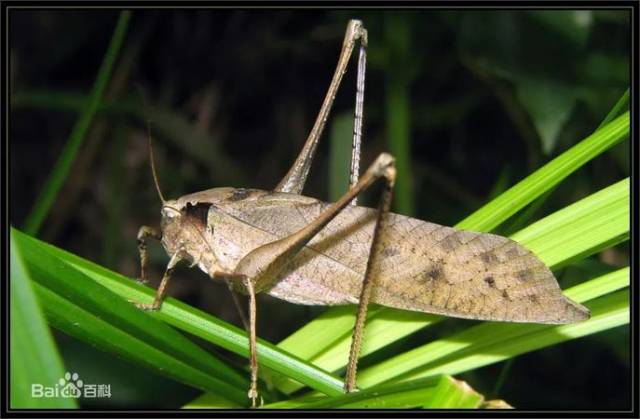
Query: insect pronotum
x=305, y=251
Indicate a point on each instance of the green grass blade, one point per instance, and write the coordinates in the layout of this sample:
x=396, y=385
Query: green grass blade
x=498, y=210
x=621, y=104
x=407, y=395
x=400, y=70
x=435, y=392
x=211, y=401
x=167, y=125
x=385, y=327
x=80, y=307
x=67, y=156
x=454, y=394
x=607, y=312
x=493, y=342
x=191, y=320
x=399, y=143
x=599, y=221
x=64, y=101
x=585, y=227
x=34, y=356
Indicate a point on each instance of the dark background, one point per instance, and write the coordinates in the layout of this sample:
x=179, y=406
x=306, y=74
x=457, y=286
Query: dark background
x=480, y=99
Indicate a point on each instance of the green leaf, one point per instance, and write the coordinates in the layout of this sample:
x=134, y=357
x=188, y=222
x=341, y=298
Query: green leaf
x=597, y=222
x=388, y=326
x=454, y=394
x=492, y=342
x=621, y=104
x=80, y=307
x=168, y=124
x=399, y=396
x=211, y=401
x=67, y=156
x=436, y=392
x=549, y=105
x=34, y=356
x=497, y=211
x=179, y=315
x=401, y=70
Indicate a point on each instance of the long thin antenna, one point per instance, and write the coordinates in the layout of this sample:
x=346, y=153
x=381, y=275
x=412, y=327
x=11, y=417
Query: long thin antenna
x=153, y=163
x=151, y=158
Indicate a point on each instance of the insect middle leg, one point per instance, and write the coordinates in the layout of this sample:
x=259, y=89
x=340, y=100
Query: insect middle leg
x=162, y=288
x=261, y=267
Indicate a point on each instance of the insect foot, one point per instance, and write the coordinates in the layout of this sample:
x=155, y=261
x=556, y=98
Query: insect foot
x=253, y=394
x=145, y=306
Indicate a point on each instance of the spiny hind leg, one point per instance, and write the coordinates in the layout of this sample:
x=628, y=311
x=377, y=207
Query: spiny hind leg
x=296, y=177
x=248, y=283
x=261, y=267
x=264, y=264
x=389, y=174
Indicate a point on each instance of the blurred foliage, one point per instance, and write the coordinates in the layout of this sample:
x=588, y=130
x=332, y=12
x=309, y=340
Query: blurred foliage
x=469, y=101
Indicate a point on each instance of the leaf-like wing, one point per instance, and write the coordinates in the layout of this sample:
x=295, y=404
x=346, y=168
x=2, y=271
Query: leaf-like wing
x=423, y=266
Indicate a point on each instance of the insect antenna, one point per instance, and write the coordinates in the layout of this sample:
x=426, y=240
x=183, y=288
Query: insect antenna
x=153, y=163
x=151, y=158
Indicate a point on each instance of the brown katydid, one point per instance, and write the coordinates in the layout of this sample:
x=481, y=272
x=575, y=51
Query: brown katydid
x=305, y=251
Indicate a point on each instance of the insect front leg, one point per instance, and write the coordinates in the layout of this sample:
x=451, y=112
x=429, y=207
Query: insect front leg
x=144, y=234
x=296, y=177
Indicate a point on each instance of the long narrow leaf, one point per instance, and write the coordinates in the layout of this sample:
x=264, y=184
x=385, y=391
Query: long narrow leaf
x=621, y=104
x=435, y=392
x=188, y=319
x=34, y=356
x=601, y=217
x=545, y=178
x=599, y=221
x=453, y=394
x=90, y=312
x=492, y=342
x=67, y=156
x=400, y=396
x=607, y=312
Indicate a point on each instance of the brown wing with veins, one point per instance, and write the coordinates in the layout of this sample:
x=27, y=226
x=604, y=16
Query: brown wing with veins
x=424, y=266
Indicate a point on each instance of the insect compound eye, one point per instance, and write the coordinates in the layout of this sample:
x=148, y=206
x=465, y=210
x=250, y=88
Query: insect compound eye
x=170, y=212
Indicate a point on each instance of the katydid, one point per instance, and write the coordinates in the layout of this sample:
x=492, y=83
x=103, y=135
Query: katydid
x=306, y=251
